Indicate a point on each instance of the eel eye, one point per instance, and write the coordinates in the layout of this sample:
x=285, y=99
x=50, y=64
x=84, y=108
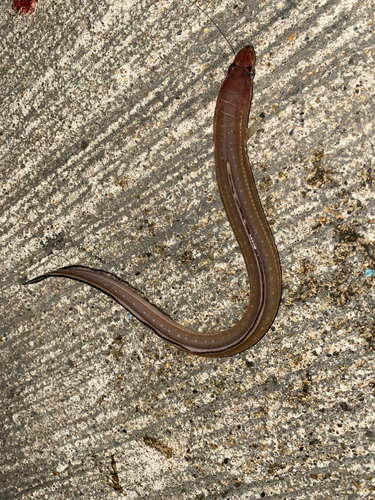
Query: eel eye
x=231, y=68
x=250, y=71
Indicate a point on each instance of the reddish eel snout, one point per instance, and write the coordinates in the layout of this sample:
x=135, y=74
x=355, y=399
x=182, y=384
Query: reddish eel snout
x=244, y=211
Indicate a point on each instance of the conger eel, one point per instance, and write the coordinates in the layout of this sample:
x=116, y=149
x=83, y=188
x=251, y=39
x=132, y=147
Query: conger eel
x=244, y=211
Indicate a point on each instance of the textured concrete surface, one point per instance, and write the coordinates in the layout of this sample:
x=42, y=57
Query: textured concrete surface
x=107, y=161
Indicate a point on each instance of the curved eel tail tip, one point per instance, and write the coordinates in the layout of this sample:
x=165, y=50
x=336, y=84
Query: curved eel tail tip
x=35, y=280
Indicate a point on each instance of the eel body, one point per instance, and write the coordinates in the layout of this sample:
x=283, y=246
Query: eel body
x=244, y=211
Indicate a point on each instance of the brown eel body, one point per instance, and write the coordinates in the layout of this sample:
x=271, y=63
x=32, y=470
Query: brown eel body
x=244, y=211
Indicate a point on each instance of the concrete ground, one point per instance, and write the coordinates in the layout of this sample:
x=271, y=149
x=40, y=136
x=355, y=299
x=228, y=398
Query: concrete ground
x=107, y=161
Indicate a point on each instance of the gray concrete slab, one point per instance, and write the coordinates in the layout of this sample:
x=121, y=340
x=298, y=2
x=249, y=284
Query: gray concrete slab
x=107, y=161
